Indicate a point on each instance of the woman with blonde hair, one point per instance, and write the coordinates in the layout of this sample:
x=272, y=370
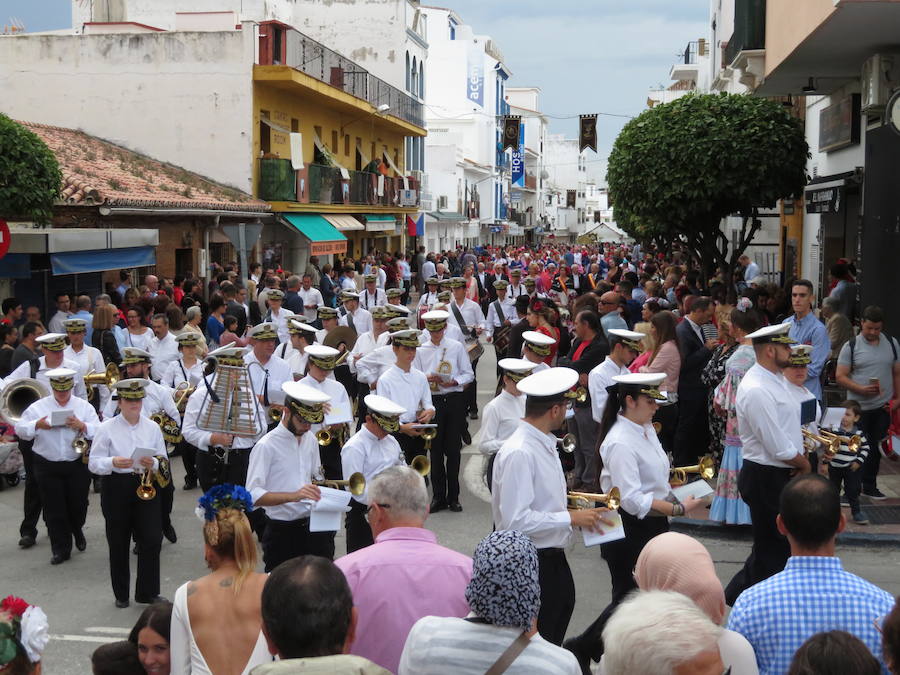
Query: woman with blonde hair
x=217, y=620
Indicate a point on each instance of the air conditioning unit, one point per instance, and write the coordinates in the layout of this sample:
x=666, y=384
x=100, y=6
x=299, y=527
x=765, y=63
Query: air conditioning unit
x=879, y=78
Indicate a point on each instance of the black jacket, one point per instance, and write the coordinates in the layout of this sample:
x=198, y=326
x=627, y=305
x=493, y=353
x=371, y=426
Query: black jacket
x=514, y=350
x=694, y=356
x=236, y=309
x=292, y=302
x=593, y=355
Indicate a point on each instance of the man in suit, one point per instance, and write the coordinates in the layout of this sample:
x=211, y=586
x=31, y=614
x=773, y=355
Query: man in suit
x=250, y=307
x=233, y=307
x=292, y=300
x=692, y=431
x=516, y=341
x=486, y=292
x=588, y=350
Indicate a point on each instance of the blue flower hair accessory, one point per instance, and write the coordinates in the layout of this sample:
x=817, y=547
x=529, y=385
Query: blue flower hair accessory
x=225, y=496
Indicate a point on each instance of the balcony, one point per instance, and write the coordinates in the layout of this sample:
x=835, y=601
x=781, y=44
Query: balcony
x=326, y=185
x=686, y=68
x=281, y=45
x=746, y=49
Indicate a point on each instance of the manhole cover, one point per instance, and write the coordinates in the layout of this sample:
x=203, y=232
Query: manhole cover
x=882, y=515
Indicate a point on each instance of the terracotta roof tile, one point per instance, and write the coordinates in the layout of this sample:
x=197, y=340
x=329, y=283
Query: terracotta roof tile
x=99, y=172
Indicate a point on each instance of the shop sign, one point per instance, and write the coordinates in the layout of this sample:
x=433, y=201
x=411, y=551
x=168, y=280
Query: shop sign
x=839, y=124
x=824, y=200
x=327, y=247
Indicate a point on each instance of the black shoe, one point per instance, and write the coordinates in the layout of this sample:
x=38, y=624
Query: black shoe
x=437, y=506
x=466, y=437
x=122, y=604
x=189, y=483
x=80, y=541
x=874, y=493
x=59, y=558
x=26, y=542
x=96, y=483
x=169, y=533
x=473, y=415
x=149, y=601
x=456, y=507
x=584, y=659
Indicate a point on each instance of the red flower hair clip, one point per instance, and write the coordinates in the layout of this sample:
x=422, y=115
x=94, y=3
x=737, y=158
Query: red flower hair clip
x=537, y=306
x=14, y=606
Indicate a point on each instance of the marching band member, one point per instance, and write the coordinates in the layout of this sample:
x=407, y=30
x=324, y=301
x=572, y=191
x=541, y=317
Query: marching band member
x=321, y=362
x=503, y=412
x=283, y=465
x=370, y=451
x=278, y=315
x=769, y=424
x=536, y=348
x=328, y=317
x=373, y=365
x=128, y=515
x=54, y=345
x=448, y=370
x=89, y=359
x=531, y=289
x=635, y=463
x=267, y=371
x=529, y=494
x=452, y=331
x=624, y=347
x=302, y=336
x=186, y=373
x=467, y=314
x=795, y=375
x=371, y=294
x=515, y=284
x=395, y=297
x=353, y=315
x=409, y=388
x=284, y=350
x=367, y=342
x=62, y=476
x=222, y=457
x=501, y=312
x=429, y=297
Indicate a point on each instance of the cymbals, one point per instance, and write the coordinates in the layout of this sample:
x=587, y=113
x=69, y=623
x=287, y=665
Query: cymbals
x=341, y=334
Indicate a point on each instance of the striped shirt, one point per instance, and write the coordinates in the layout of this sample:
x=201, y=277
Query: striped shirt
x=812, y=594
x=439, y=645
x=844, y=457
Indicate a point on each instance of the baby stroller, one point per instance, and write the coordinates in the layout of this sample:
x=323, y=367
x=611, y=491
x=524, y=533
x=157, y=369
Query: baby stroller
x=10, y=464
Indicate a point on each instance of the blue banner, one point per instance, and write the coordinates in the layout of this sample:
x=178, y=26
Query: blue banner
x=518, y=160
x=475, y=75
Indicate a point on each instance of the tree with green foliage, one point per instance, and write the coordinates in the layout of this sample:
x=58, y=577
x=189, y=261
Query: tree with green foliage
x=30, y=179
x=679, y=168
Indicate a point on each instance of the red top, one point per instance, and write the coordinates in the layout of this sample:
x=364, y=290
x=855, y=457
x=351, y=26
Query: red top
x=554, y=333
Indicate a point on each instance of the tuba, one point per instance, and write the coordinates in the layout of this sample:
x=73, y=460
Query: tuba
x=356, y=483
x=706, y=468
x=18, y=395
x=587, y=500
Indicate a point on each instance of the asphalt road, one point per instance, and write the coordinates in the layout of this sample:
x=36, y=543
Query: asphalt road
x=79, y=602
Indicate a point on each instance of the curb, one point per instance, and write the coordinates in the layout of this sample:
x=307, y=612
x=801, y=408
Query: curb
x=711, y=528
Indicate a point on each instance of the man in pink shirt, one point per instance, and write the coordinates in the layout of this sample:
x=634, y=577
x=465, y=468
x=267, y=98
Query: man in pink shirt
x=405, y=575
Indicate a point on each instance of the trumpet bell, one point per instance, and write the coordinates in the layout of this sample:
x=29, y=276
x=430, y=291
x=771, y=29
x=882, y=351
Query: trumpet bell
x=421, y=465
x=568, y=443
x=429, y=434
x=275, y=414
x=18, y=395
x=323, y=436
x=80, y=446
x=357, y=483
x=581, y=395
x=145, y=491
x=706, y=469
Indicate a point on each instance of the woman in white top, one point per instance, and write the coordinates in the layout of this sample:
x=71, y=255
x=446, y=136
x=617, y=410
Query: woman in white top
x=136, y=334
x=188, y=369
x=502, y=414
x=217, y=620
x=634, y=462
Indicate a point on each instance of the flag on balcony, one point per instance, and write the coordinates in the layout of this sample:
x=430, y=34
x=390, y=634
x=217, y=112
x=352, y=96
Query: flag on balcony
x=511, y=125
x=415, y=228
x=587, y=133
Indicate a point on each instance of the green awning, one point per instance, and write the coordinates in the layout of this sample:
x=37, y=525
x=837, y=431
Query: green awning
x=380, y=217
x=449, y=216
x=323, y=236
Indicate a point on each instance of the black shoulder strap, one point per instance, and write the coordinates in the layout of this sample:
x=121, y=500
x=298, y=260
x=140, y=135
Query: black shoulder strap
x=33, y=365
x=498, y=308
x=459, y=316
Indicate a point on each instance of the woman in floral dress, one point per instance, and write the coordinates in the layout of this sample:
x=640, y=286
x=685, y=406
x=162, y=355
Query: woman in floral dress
x=714, y=373
x=727, y=505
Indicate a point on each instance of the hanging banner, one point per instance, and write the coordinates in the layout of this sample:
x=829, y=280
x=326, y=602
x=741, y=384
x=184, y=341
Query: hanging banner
x=570, y=198
x=518, y=160
x=511, y=126
x=475, y=75
x=587, y=133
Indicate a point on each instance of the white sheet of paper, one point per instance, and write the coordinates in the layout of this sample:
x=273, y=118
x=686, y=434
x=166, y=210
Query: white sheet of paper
x=296, y=140
x=609, y=534
x=698, y=490
x=326, y=513
x=340, y=414
x=138, y=454
x=58, y=417
x=832, y=418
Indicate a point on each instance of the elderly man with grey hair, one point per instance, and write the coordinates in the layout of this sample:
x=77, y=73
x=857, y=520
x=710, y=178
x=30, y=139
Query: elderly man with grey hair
x=405, y=574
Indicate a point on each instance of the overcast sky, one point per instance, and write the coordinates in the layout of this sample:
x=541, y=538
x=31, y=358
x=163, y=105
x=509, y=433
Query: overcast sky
x=587, y=56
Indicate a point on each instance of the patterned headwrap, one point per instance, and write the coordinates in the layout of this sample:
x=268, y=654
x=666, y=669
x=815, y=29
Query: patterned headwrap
x=504, y=589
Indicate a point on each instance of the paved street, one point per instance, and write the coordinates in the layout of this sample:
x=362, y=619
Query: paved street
x=79, y=602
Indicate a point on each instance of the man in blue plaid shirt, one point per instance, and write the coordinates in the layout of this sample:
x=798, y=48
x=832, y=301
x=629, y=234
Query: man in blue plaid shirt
x=813, y=593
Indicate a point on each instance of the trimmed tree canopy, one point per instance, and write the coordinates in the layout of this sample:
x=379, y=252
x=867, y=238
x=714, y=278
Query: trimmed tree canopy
x=677, y=169
x=30, y=179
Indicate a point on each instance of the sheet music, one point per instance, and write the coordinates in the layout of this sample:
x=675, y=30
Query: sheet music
x=614, y=533
x=326, y=513
x=58, y=417
x=698, y=490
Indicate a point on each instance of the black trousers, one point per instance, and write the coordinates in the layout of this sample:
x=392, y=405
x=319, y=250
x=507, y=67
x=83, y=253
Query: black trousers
x=692, y=431
x=32, y=506
x=64, y=492
x=167, y=498
x=852, y=483
x=189, y=458
x=557, y=594
x=447, y=445
x=362, y=390
x=760, y=487
x=212, y=469
x=127, y=515
x=667, y=416
x=874, y=424
x=359, y=534
x=621, y=557
x=412, y=446
x=471, y=392
x=330, y=457
x=585, y=455
x=286, y=539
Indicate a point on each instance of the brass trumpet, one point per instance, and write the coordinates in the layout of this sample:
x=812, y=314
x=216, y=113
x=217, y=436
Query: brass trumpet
x=831, y=442
x=145, y=490
x=429, y=435
x=356, y=483
x=581, y=395
x=586, y=500
x=82, y=447
x=853, y=442
x=706, y=468
x=275, y=413
x=568, y=443
x=324, y=437
x=421, y=465
x=108, y=377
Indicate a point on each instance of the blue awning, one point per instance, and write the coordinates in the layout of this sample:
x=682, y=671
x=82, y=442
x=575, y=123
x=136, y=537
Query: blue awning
x=15, y=266
x=79, y=262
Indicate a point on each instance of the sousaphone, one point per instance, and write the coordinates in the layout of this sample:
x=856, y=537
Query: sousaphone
x=341, y=335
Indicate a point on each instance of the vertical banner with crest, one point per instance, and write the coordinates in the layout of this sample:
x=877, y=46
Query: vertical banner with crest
x=587, y=132
x=511, y=124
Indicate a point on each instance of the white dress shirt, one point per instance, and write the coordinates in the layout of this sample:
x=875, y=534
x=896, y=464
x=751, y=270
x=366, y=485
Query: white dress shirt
x=116, y=437
x=471, y=314
x=162, y=353
x=297, y=363
x=495, y=321
x=178, y=372
x=515, y=291
x=89, y=359
x=56, y=324
x=278, y=373
x=24, y=370
x=451, y=331
x=362, y=320
x=365, y=454
x=529, y=488
x=408, y=390
x=428, y=299
x=280, y=320
x=196, y=410
x=368, y=300
x=281, y=462
x=310, y=297
x=366, y=343
x=428, y=270
x=334, y=389
x=500, y=418
x=429, y=355
x=157, y=397
x=634, y=462
x=768, y=418
x=55, y=444
x=601, y=377
x=373, y=365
